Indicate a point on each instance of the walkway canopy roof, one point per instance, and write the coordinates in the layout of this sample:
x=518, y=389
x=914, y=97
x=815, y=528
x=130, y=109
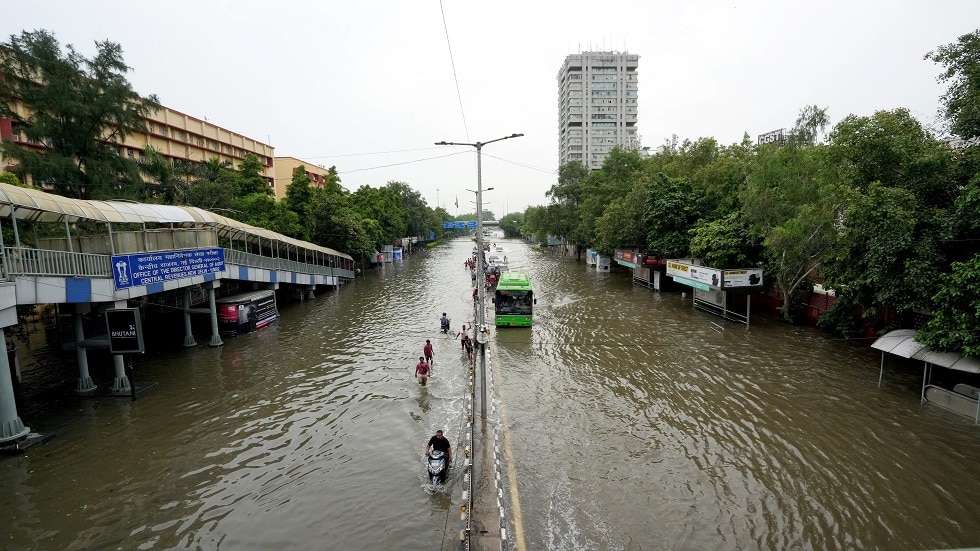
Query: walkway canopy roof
x=38, y=206
x=901, y=342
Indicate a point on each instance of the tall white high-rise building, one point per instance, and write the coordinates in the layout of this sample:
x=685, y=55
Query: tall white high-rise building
x=596, y=106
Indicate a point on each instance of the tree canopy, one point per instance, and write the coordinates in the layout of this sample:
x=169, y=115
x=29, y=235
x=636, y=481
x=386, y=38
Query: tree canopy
x=74, y=111
x=878, y=209
x=961, y=71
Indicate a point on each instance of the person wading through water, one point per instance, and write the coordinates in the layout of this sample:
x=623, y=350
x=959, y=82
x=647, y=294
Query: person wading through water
x=422, y=371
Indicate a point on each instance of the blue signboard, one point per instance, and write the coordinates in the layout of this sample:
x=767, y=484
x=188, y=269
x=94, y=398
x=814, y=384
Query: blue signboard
x=471, y=224
x=448, y=225
x=461, y=225
x=131, y=270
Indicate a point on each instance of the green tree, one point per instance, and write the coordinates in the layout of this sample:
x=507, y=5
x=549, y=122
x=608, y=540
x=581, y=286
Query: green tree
x=892, y=147
x=620, y=171
x=11, y=178
x=250, y=177
x=78, y=107
x=512, y=225
x=337, y=225
x=790, y=203
x=896, y=227
x=622, y=222
x=216, y=186
x=169, y=180
x=383, y=212
x=869, y=262
x=259, y=209
x=566, y=197
x=953, y=327
x=811, y=122
x=673, y=207
x=299, y=199
x=415, y=207
x=961, y=69
x=725, y=242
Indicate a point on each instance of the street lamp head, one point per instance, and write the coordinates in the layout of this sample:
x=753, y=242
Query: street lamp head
x=442, y=143
x=515, y=135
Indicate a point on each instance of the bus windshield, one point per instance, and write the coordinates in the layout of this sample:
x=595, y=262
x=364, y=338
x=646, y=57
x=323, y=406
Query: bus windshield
x=513, y=302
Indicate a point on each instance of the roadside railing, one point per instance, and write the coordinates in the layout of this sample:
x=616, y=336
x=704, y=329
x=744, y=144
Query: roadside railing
x=269, y=263
x=28, y=261
x=42, y=262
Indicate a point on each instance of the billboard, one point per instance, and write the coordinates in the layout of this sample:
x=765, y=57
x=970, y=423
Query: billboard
x=125, y=330
x=749, y=277
x=777, y=137
x=709, y=277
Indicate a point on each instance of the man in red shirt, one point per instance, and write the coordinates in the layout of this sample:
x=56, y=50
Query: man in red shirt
x=422, y=371
x=427, y=351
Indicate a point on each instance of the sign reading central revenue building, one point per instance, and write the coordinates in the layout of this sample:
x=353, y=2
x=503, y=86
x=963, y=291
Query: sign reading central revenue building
x=131, y=270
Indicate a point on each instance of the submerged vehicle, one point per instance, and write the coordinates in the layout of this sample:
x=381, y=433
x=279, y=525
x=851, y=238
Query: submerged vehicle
x=437, y=466
x=513, y=300
x=246, y=312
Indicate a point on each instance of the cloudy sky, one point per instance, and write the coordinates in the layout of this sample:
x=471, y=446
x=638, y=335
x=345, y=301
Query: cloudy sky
x=370, y=85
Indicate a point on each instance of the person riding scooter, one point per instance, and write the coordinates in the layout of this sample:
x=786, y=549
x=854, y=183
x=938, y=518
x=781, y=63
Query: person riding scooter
x=444, y=323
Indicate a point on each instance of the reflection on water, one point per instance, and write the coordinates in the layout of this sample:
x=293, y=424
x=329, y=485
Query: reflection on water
x=637, y=425
x=307, y=432
x=634, y=425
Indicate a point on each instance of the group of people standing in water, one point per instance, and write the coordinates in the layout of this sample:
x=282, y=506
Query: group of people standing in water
x=423, y=369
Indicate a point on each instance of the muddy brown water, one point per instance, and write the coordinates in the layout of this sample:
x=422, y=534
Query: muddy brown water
x=634, y=422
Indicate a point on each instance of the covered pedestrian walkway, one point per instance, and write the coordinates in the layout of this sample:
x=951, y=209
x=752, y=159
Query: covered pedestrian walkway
x=95, y=255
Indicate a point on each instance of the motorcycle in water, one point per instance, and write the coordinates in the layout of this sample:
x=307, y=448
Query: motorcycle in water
x=437, y=466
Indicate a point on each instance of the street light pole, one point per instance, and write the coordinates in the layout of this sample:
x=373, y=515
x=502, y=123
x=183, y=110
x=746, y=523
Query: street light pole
x=482, y=330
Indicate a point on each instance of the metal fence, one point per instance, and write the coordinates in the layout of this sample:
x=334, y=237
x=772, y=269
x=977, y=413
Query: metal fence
x=26, y=261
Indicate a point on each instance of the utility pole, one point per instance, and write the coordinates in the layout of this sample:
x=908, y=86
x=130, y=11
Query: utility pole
x=483, y=332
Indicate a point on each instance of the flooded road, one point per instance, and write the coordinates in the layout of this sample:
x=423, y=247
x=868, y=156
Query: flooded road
x=639, y=423
x=633, y=422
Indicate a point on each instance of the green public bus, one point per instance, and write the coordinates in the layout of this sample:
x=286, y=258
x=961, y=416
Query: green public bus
x=513, y=300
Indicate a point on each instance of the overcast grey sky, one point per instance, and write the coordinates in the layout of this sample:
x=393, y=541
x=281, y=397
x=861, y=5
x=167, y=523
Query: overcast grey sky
x=349, y=83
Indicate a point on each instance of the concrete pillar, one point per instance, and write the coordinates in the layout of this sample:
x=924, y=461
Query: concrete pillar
x=121, y=382
x=215, y=336
x=188, y=335
x=85, y=384
x=309, y=292
x=11, y=427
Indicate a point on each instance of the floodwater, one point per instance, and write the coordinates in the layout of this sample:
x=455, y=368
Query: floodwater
x=631, y=422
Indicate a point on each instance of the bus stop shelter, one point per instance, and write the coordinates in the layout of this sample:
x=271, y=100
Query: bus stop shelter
x=963, y=399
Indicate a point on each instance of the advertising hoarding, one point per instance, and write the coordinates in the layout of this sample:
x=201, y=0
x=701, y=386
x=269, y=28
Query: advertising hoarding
x=749, y=277
x=125, y=330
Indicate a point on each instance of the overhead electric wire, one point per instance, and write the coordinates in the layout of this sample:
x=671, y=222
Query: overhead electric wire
x=545, y=170
x=402, y=163
x=365, y=154
x=452, y=62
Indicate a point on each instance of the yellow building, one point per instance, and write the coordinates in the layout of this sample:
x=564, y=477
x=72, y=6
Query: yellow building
x=177, y=136
x=285, y=166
